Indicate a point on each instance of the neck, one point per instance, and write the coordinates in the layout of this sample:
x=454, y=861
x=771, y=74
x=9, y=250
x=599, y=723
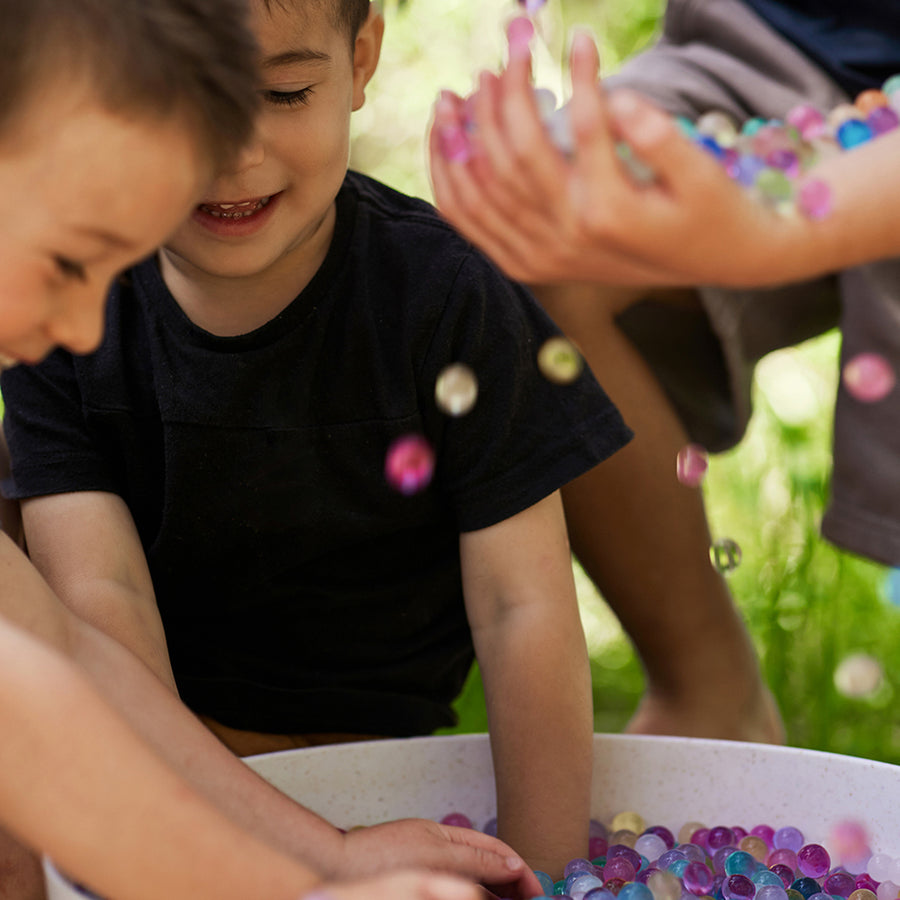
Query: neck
x=230, y=305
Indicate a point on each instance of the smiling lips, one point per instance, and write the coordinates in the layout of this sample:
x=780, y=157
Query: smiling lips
x=235, y=210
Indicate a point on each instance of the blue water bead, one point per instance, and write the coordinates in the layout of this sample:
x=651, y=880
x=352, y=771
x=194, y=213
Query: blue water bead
x=751, y=126
x=687, y=127
x=545, y=881
x=719, y=857
x=806, y=886
x=678, y=866
x=853, y=133
x=559, y=887
x=709, y=144
x=767, y=876
x=577, y=865
x=740, y=863
x=635, y=891
x=669, y=857
x=738, y=887
x=788, y=838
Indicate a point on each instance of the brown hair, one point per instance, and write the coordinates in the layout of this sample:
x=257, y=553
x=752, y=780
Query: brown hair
x=191, y=58
x=347, y=15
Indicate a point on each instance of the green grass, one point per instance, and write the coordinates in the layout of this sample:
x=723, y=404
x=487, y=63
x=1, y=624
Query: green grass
x=807, y=604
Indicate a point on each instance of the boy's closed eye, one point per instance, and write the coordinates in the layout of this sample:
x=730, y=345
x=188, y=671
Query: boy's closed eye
x=70, y=269
x=288, y=98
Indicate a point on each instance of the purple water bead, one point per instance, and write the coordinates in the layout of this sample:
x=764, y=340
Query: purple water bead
x=719, y=836
x=814, y=198
x=813, y=860
x=785, y=873
x=619, y=867
x=490, y=827
x=644, y=875
x=786, y=160
x=623, y=851
x=766, y=832
x=840, y=884
x=600, y=893
x=868, y=377
x=597, y=829
x=577, y=865
x=866, y=882
x=853, y=133
x=458, y=820
x=738, y=887
x=882, y=119
x=697, y=878
x=788, y=838
x=664, y=833
x=720, y=857
x=669, y=857
x=694, y=852
x=699, y=837
x=739, y=833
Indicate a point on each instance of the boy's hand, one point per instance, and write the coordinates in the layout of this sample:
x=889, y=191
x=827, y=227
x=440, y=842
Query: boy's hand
x=443, y=848
x=412, y=885
x=547, y=218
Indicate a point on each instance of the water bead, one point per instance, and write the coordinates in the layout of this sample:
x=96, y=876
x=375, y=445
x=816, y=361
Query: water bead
x=645, y=874
x=719, y=858
x=842, y=113
x=709, y=144
x=858, y=675
x=577, y=866
x=839, y=884
x=774, y=185
x=872, y=99
x=866, y=882
x=808, y=120
x=698, y=837
x=806, y=887
x=628, y=820
x=650, y=845
x=664, y=886
x=882, y=119
x=738, y=887
x=697, y=878
x=614, y=885
x=740, y=863
x=813, y=860
x=719, y=836
x=752, y=126
x=720, y=126
x=771, y=892
x=785, y=160
x=490, y=827
x=624, y=837
x=597, y=846
x=600, y=893
x=693, y=852
x=766, y=832
x=892, y=85
x=669, y=857
x=746, y=169
x=785, y=873
x=687, y=830
x=814, y=198
x=635, y=891
x=853, y=133
x=782, y=856
x=763, y=876
x=862, y=894
x=532, y=6
x=819, y=895
x=868, y=377
x=623, y=851
x=887, y=890
x=545, y=881
x=457, y=820
x=619, y=867
x=755, y=846
x=725, y=555
x=788, y=838
x=850, y=840
x=879, y=866
x=580, y=883
x=409, y=464
x=559, y=361
x=596, y=828
x=664, y=833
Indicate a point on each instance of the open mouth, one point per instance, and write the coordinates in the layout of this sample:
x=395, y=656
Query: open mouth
x=240, y=210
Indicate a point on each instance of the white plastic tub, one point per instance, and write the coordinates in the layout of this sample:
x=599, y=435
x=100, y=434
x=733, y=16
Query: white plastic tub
x=669, y=781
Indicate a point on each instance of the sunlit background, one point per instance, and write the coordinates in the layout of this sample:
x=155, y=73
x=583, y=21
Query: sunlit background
x=808, y=606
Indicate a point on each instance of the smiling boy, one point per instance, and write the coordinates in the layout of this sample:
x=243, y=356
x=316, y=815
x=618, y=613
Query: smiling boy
x=224, y=457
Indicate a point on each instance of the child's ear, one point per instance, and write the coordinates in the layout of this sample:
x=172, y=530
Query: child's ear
x=366, y=52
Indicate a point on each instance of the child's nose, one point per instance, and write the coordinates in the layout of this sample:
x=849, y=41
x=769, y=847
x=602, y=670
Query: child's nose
x=78, y=324
x=251, y=155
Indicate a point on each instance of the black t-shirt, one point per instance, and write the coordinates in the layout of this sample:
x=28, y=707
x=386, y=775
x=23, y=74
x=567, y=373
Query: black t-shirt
x=299, y=591
x=856, y=41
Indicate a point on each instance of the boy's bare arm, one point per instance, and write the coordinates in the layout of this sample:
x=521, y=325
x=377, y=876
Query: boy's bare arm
x=86, y=546
x=521, y=603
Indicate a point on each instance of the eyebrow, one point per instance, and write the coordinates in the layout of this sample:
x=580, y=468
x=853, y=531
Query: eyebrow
x=292, y=57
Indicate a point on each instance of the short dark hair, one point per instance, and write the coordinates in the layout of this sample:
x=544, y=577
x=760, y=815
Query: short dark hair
x=193, y=58
x=347, y=15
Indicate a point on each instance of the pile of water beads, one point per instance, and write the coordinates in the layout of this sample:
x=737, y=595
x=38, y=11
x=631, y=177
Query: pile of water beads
x=631, y=861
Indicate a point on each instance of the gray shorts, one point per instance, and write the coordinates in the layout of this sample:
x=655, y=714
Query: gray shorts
x=719, y=55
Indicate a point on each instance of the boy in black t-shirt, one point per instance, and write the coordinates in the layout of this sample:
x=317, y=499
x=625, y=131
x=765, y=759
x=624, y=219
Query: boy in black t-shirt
x=230, y=441
x=684, y=281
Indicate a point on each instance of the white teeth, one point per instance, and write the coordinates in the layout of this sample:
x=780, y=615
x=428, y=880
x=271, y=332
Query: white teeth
x=235, y=210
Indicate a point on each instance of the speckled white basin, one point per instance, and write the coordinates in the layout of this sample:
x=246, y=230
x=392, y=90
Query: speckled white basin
x=668, y=780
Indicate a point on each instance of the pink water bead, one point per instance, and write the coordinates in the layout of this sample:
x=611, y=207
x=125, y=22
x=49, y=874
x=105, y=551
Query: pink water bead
x=766, y=832
x=697, y=878
x=458, y=820
x=738, y=887
x=882, y=119
x=850, y=841
x=868, y=377
x=409, y=464
x=813, y=860
x=814, y=198
x=783, y=856
x=807, y=120
x=719, y=836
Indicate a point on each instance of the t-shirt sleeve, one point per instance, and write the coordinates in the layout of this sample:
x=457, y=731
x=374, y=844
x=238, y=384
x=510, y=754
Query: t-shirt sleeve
x=526, y=436
x=51, y=449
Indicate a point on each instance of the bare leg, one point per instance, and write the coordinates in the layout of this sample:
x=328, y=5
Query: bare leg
x=21, y=876
x=644, y=540
x=10, y=516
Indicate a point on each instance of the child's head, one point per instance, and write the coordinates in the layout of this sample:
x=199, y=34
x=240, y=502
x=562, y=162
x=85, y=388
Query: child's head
x=113, y=115
x=273, y=212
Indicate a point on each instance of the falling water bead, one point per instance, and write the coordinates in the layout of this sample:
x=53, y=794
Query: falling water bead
x=456, y=389
x=409, y=464
x=849, y=840
x=858, y=675
x=882, y=119
x=559, y=360
x=892, y=586
x=814, y=198
x=725, y=555
x=853, y=133
x=868, y=377
x=628, y=820
x=691, y=464
x=813, y=860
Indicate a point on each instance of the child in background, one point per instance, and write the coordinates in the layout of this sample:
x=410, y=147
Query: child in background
x=291, y=331
x=113, y=116
x=679, y=358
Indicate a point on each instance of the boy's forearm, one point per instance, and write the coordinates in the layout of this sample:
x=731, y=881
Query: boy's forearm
x=537, y=684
